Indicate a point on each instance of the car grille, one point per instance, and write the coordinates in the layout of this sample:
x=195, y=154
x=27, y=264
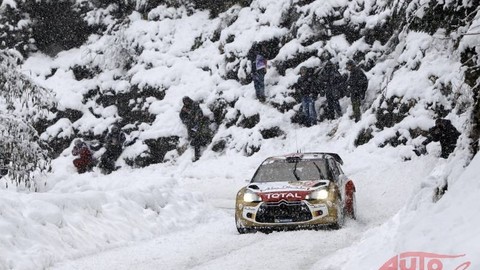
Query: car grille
x=283, y=212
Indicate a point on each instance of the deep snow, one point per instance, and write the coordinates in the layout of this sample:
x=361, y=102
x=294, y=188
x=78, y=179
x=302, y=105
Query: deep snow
x=179, y=215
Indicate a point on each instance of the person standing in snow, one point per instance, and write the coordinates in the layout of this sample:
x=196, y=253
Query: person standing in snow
x=306, y=90
x=85, y=161
x=332, y=83
x=5, y=159
x=197, y=125
x=258, y=61
x=113, y=149
x=445, y=133
x=357, y=84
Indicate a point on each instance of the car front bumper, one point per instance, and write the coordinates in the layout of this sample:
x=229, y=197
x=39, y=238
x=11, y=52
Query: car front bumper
x=299, y=214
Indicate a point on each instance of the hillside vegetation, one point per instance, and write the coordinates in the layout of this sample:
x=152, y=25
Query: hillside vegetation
x=138, y=58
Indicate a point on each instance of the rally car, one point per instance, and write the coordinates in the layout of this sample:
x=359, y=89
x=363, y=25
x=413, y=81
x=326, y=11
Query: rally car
x=307, y=190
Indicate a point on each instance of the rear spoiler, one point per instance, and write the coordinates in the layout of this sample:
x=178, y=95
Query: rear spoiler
x=336, y=157
x=299, y=156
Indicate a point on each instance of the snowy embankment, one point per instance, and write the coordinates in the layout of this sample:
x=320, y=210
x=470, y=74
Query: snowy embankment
x=83, y=214
x=447, y=227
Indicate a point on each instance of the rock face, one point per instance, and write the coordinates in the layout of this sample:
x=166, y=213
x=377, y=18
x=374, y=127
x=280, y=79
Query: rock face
x=386, y=38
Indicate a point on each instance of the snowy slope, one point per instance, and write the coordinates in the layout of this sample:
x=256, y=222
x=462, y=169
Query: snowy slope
x=185, y=208
x=448, y=227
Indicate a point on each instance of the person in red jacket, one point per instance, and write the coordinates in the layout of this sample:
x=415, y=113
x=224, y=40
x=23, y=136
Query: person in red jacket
x=84, y=162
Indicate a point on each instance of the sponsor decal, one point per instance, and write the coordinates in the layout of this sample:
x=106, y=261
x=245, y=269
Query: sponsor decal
x=291, y=185
x=286, y=196
x=306, y=184
x=285, y=187
x=426, y=261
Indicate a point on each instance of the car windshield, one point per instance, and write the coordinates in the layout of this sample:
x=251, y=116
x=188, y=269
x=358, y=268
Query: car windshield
x=286, y=171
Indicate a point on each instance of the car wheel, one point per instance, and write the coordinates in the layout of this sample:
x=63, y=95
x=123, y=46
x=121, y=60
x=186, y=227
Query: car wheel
x=351, y=206
x=340, y=217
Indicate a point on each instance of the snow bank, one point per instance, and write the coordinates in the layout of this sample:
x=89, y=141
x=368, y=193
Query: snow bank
x=83, y=214
x=448, y=227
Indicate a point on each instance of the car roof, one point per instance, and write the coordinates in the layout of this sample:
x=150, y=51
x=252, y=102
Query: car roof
x=307, y=156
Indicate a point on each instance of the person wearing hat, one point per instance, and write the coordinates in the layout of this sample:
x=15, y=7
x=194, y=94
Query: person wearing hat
x=85, y=159
x=357, y=84
x=197, y=125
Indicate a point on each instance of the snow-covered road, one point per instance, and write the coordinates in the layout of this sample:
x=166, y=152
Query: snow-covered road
x=384, y=185
x=217, y=245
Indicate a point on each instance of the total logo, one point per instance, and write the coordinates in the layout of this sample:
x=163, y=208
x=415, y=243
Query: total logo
x=278, y=196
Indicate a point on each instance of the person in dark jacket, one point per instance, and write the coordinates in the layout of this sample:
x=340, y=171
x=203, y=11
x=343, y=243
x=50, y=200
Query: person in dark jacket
x=445, y=133
x=85, y=160
x=113, y=149
x=5, y=159
x=256, y=55
x=306, y=90
x=357, y=84
x=197, y=125
x=332, y=83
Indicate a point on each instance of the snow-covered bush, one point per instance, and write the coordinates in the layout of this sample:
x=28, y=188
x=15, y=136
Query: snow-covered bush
x=24, y=104
x=15, y=26
x=48, y=26
x=216, y=7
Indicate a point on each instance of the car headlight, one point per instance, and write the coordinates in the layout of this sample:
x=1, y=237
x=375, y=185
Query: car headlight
x=320, y=194
x=251, y=196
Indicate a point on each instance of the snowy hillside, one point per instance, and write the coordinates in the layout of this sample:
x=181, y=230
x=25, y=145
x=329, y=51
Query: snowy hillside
x=162, y=211
x=136, y=73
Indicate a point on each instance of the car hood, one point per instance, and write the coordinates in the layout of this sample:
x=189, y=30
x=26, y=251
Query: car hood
x=288, y=191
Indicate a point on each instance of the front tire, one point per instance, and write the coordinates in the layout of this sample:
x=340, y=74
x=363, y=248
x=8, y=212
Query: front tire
x=340, y=217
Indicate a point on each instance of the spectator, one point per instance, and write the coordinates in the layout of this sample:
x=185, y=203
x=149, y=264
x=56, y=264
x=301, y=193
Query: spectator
x=85, y=161
x=332, y=84
x=259, y=69
x=4, y=163
x=305, y=89
x=357, y=84
x=446, y=134
x=113, y=149
x=197, y=125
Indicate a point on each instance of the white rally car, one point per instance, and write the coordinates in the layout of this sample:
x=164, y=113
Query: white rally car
x=307, y=190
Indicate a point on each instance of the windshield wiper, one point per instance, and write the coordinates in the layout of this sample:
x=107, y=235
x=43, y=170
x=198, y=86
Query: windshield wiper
x=295, y=172
x=319, y=171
